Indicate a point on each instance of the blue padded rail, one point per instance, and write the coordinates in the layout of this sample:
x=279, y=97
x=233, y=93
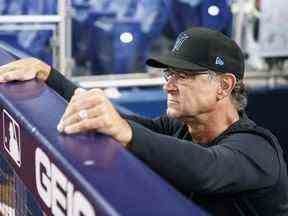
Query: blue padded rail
x=90, y=174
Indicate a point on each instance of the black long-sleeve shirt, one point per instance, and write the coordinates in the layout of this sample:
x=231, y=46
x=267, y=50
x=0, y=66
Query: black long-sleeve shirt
x=243, y=174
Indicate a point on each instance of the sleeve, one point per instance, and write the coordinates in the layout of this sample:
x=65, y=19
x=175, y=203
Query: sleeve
x=161, y=125
x=240, y=162
x=61, y=84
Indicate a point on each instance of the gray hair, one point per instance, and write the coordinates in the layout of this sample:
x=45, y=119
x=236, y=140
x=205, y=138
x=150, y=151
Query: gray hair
x=211, y=75
x=238, y=94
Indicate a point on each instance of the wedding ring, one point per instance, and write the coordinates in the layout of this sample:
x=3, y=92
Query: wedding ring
x=83, y=114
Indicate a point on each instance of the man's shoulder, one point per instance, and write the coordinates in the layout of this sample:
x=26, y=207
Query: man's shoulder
x=246, y=128
x=244, y=138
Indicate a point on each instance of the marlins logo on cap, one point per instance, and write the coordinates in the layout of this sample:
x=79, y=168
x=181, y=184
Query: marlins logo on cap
x=180, y=40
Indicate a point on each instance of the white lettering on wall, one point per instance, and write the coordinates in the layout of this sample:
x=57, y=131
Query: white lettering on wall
x=57, y=192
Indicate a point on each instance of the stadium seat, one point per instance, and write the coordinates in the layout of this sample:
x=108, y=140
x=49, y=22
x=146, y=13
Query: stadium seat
x=98, y=25
x=214, y=14
x=35, y=43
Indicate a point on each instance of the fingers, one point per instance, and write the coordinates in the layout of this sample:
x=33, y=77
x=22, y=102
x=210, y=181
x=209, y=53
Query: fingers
x=75, y=117
x=10, y=76
x=81, y=100
x=71, y=108
x=2, y=79
x=23, y=69
x=18, y=70
x=97, y=114
x=17, y=75
x=86, y=125
x=7, y=67
x=80, y=90
x=81, y=94
x=5, y=70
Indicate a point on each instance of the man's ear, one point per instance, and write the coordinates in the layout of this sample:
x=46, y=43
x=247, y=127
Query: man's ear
x=227, y=84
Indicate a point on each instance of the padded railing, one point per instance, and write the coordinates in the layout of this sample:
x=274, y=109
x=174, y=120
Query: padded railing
x=85, y=174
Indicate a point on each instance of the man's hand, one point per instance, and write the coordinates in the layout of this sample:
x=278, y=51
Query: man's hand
x=92, y=111
x=24, y=69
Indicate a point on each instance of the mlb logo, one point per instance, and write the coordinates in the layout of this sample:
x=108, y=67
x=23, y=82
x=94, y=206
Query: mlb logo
x=11, y=137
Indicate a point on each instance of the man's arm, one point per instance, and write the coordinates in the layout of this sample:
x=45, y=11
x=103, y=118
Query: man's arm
x=240, y=162
x=163, y=125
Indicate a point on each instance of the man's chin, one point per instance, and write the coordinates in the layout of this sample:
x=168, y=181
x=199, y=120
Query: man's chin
x=173, y=113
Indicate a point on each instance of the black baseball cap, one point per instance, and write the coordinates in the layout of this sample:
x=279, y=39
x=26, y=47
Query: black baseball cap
x=200, y=49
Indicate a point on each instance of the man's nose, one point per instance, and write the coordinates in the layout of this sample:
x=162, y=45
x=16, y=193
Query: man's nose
x=170, y=85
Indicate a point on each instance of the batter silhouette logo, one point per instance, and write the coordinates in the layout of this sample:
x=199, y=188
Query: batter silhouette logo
x=11, y=137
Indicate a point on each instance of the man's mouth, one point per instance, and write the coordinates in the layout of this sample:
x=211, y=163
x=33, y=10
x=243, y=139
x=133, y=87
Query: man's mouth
x=172, y=101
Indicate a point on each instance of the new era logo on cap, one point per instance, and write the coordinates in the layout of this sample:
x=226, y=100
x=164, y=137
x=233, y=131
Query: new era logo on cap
x=180, y=40
x=219, y=61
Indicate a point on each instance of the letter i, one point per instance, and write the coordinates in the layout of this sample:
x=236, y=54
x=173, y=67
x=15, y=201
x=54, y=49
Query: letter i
x=70, y=190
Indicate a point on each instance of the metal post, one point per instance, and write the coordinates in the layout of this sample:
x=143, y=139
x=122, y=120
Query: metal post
x=239, y=22
x=60, y=24
x=64, y=39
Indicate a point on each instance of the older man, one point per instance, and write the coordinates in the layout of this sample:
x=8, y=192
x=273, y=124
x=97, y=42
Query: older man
x=206, y=146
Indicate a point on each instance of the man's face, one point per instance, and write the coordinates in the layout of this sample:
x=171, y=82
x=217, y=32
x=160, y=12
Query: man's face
x=190, y=95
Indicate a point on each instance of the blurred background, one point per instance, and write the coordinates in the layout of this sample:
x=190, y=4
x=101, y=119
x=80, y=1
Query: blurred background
x=105, y=43
x=104, y=37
